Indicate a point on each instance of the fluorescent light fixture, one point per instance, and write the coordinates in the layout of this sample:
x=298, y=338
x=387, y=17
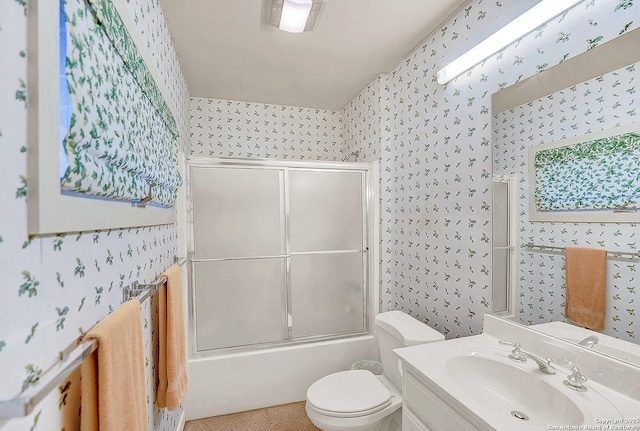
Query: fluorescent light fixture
x=295, y=16
x=533, y=18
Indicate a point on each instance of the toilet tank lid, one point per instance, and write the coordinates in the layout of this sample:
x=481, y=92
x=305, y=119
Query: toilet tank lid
x=407, y=329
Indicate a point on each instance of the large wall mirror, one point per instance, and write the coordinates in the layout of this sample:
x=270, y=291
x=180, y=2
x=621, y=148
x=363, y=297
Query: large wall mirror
x=590, y=95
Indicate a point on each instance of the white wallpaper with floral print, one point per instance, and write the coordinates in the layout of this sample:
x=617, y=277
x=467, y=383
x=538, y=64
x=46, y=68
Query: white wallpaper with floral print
x=436, y=177
x=56, y=287
x=597, y=105
x=437, y=164
x=434, y=143
x=361, y=124
x=225, y=128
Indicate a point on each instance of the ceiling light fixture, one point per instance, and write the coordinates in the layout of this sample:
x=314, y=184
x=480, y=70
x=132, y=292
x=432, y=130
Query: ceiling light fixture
x=533, y=18
x=295, y=16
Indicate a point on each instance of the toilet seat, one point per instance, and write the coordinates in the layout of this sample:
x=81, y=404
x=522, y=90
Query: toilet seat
x=348, y=394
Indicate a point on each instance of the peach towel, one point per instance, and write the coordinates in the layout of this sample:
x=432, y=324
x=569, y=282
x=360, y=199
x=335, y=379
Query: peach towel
x=114, y=395
x=172, y=368
x=586, y=270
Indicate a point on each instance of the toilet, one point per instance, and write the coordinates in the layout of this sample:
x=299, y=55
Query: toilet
x=358, y=400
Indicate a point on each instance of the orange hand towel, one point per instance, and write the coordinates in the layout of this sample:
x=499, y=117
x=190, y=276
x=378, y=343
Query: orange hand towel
x=172, y=367
x=114, y=396
x=586, y=270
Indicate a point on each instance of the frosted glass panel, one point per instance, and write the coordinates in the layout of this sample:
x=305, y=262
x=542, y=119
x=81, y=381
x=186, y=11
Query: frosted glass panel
x=240, y=302
x=500, y=214
x=327, y=294
x=500, y=279
x=325, y=210
x=237, y=212
x=501, y=242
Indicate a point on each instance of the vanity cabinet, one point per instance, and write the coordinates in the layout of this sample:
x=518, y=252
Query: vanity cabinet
x=423, y=410
x=470, y=384
x=410, y=421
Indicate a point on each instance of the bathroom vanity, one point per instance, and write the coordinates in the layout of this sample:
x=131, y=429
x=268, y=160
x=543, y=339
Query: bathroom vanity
x=487, y=382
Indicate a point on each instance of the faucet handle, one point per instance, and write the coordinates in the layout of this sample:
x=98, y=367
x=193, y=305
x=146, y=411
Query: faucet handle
x=516, y=354
x=576, y=380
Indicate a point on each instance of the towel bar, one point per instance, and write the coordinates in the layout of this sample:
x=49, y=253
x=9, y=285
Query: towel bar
x=146, y=290
x=70, y=359
x=141, y=291
x=23, y=404
x=613, y=253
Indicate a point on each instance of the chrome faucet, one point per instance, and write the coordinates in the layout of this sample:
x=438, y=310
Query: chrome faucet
x=519, y=355
x=590, y=341
x=576, y=380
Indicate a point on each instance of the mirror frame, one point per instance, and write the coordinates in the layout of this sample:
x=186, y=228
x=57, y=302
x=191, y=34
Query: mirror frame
x=605, y=58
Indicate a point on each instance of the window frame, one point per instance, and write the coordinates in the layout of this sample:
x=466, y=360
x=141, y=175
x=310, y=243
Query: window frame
x=49, y=210
x=578, y=215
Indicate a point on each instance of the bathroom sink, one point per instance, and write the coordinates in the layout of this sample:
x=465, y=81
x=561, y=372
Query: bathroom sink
x=476, y=377
x=525, y=395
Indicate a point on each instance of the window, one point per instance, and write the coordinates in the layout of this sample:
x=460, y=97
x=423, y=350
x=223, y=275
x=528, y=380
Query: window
x=51, y=210
x=594, y=177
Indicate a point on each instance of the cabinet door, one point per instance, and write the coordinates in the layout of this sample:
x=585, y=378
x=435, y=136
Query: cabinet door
x=431, y=409
x=410, y=422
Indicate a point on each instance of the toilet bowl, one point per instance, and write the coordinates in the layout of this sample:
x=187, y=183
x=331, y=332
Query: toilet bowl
x=358, y=400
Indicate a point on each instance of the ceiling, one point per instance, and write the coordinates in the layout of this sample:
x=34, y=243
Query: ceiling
x=228, y=51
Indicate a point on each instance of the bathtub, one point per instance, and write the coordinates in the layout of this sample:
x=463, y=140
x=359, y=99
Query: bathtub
x=250, y=380
x=246, y=380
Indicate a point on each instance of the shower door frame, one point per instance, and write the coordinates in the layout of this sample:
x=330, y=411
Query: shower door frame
x=370, y=241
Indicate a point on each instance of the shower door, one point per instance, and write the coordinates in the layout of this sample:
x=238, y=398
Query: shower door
x=278, y=252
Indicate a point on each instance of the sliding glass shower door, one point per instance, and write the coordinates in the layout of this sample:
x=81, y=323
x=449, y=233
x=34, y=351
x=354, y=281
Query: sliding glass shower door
x=326, y=252
x=239, y=256
x=278, y=253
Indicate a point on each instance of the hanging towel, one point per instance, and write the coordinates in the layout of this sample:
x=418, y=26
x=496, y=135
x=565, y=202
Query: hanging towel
x=114, y=396
x=172, y=367
x=586, y=271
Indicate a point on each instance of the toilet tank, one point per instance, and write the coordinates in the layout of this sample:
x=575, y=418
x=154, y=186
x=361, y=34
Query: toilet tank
x=395, y=329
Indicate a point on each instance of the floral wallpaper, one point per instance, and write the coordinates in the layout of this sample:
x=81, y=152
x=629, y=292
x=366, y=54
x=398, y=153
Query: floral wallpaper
x=57, y=287
x=225, y=128
x=597, y=105
x=436, y=168
x=434, y=144
x=361, y=124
